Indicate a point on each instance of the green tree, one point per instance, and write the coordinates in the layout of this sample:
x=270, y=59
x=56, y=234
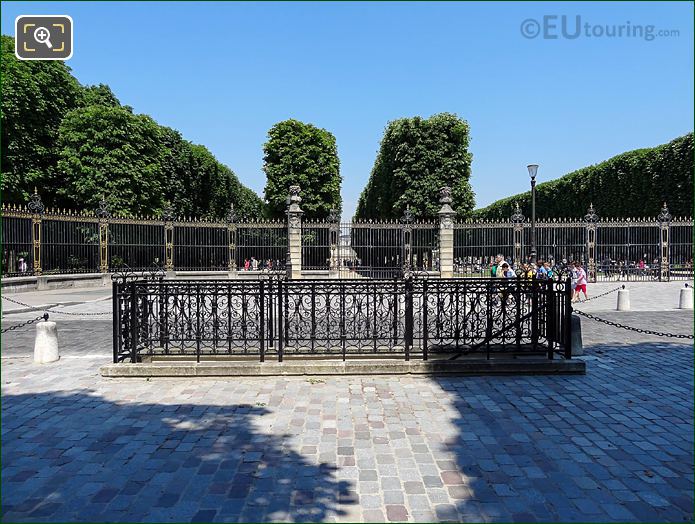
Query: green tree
x=111, y=152
x=301, y=154
x=416, y=158
x=99, y=95
x=36, y=95
x=635, y=183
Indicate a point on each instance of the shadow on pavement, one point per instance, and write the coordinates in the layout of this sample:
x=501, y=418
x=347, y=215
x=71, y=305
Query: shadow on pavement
x=76, y=456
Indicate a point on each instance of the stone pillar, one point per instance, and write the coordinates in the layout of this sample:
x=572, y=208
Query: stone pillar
x=518, y=221
x=446, y=234
x=103, y=215
x=294, y=234
x=407, y=225
x=36, y=209
x=231, y=240
x=591, y=221
x=664, y=232
x=168, y=216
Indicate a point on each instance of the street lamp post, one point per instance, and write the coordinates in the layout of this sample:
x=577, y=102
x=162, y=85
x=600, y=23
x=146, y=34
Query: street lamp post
x=532, y=170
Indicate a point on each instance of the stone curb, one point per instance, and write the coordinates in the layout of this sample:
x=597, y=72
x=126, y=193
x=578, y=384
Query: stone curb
x=355, y=367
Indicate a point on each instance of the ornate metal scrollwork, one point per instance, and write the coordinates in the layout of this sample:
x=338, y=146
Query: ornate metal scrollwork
x=123, y=275
x=35, y=205
x=664, y=215
x=517, y=217
x=591, y=217
x=168, y=212
x=103, y=209
x=231, y=214
x=407, y=217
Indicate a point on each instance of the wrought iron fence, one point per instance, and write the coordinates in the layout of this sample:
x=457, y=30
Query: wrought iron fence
x=273, y=318
x=36, y=241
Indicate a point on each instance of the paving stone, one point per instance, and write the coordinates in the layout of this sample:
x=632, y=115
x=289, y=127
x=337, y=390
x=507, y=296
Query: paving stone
x=613, y=445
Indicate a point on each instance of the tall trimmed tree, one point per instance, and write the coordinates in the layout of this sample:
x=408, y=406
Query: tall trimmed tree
x=301, y=154
x=417, y=157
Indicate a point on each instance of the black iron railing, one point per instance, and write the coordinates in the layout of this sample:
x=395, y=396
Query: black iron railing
x=274, y=318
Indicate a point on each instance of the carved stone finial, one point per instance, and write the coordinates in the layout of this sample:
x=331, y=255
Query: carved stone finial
x=294, y=195
x=445, y=195
x=591, y=217
x=664, y=215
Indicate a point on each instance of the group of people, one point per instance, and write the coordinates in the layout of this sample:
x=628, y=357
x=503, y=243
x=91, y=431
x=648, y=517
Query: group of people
x=543, y=270
x=256, y=265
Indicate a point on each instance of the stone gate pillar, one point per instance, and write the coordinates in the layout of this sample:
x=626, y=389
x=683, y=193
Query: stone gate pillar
x=446, y=234
x=664, y=232
x=334, y=243
x=294, y=234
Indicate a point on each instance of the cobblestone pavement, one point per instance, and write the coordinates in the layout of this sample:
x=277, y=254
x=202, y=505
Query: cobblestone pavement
x=614, y=445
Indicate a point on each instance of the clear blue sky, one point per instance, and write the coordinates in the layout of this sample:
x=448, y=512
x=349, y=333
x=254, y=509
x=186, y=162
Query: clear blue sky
x=224, y=73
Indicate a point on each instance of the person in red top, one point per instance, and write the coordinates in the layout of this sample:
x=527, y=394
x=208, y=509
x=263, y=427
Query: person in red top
x=580, y=275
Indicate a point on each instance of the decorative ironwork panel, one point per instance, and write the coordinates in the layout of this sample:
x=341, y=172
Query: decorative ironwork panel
x=681, y=249
x=557, y=242
x=135, y=244
x=477, y=244
x=628, y=250
x=201, y=247
x=371, y=249
x=266, y=242
x=17, y=246
x=316, y=245
x=69, y=246
x=343, y=317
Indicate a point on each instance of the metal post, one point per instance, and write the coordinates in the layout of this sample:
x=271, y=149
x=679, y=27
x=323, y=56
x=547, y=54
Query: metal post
x=567, y=318
x=533, y=220
x=408, y=317
x=36, y=209
x=424, y=320
x=231, y=239
x=133, y=323
x=262, y=320
x=591, y=220
x=518, y=221
x=664, y=233
x=168, y=216
x=103, y=215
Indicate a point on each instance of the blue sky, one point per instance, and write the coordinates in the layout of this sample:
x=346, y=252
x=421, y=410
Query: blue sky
x=224, y=73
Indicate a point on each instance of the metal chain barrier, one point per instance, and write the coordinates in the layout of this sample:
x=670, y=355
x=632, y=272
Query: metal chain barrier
x=602, y=294
x=27, y=323
x=630, y=328
x=57, y=311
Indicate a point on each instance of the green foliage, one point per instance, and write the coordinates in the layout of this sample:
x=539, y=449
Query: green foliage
x=110, y=152
x=632, y=184
x=36, y=95
x=301, y=154
x=77, y=144
x=417, y=157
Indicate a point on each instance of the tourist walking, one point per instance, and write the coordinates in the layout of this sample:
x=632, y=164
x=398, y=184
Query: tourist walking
x=580, y=287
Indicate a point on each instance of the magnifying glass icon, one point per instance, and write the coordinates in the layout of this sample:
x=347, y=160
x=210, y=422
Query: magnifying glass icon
x=42, y=36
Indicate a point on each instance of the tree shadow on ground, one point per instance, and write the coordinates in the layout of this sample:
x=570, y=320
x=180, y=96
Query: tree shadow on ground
x=79, y=457
x=612, y=445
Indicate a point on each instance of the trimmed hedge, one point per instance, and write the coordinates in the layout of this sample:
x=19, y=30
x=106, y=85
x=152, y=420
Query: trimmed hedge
x=632, y=184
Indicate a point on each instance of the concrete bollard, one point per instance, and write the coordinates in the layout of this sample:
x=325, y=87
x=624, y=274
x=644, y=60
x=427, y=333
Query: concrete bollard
x=46, y=344
x=623, y=300
x=685, y=300
x=576, y=327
